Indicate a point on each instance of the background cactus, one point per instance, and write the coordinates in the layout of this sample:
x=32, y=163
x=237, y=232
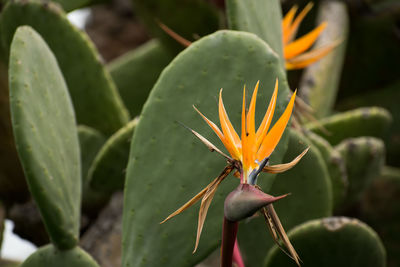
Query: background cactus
x=54, y=71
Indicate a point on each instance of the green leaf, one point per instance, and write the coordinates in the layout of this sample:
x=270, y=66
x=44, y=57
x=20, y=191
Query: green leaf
x=332, y=242
x=168, y=165
x=45, y=135
x=95, y=98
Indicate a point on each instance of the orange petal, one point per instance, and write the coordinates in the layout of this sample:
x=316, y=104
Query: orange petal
x=213, y=126
x=266, y=122
x=279, y=168
x=272, y=139
x=245, y=146
x=232, y=139
x=308, y=58
x=251, y=135
x=286, y=22
x=305, y=42
x=292, y=31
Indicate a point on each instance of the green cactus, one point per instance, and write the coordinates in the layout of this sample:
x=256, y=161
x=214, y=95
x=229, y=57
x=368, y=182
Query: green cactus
x=45, y=135
x=311, y=197
x=380, y=209
x=95, y=98
x=263, y=18
x=107, y=172
x=386, y=97
x=50, y=256
x=136, y=72
x=365, y=158
x=336, y=167
x=167, y=165
x=372, y=121
x=187, y=18
x=90, y=141
x=320, y=82
x=334, y=241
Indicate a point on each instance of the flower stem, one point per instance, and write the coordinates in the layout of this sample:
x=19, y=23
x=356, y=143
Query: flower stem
x=229, y=231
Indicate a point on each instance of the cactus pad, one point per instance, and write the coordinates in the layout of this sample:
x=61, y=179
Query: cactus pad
x=365, y=158
x=371, y=121
x=95, y=97
x=50, y=256
x=90, y=141
x=45, y=135
x=332, y=242
x=263, y=18
x=336, y=167
x=108, y=169
x=320, y=82
x=136, y=72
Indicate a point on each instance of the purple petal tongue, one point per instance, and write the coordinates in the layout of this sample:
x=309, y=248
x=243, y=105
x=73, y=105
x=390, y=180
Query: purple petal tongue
x=245, y=200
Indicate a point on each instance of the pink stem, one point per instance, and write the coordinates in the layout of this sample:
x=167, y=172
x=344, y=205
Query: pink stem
x=237, y=256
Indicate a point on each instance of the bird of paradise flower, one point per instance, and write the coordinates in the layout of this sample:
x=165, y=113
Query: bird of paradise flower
x=249, y=157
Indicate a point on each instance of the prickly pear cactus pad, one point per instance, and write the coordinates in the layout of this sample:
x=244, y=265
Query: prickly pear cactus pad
x=45, y=135
x=90, y=141
x=50, y=256
x=311, y=198
x=167, y=165
x=136, y=72
x=369, y=121
x=95, y=98
x=107, y=173
x=336, y=165
x=365, y=158
x=263, y=18
x=334, y=241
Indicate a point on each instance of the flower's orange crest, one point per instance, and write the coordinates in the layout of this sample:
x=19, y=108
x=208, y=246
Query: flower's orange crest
x=253, y=146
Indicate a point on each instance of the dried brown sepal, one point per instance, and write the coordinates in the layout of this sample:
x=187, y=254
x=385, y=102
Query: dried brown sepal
x=282, y=234
x=174, y=35
x=206, y=201
x=197, y=197
x=207, y=143
x=284, y=167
